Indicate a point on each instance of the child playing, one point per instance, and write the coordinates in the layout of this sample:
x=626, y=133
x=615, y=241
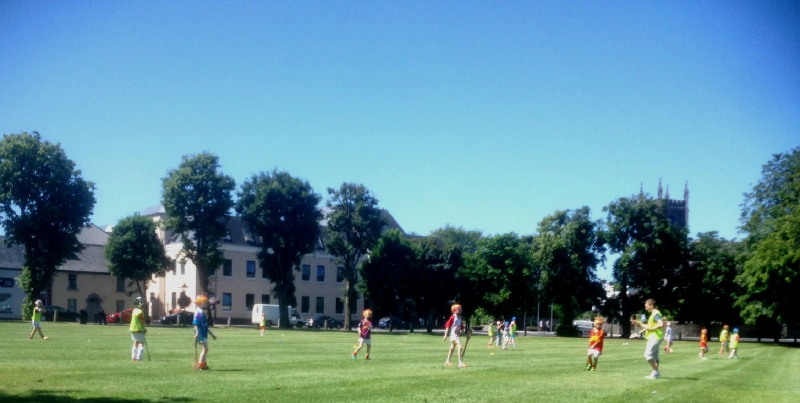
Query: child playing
x=263, y=323
x=455, y=326
x=38, y=309
x=492, y=334
x=703, y=343
x=499, y=331
x=201, y=330
x=137, y=330
x=364, y=328
x=595, y=344
x=723, y=339
x=513, y=332
x=506, y=336
x=734, y=344
x=668, y=338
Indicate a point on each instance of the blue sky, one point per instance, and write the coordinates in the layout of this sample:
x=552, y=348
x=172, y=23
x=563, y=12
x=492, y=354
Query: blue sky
x=483, y=115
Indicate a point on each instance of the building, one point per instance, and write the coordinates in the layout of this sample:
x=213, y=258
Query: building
x=240, y=282
x=82, y=282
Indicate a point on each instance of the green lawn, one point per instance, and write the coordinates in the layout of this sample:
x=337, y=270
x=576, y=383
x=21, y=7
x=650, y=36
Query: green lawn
x=89, y=363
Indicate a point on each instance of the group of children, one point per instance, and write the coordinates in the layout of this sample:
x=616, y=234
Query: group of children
x=503, y=333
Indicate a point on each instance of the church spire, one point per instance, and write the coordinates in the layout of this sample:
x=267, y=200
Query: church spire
x=686, y=192
x=660, y=190
x=666, y=196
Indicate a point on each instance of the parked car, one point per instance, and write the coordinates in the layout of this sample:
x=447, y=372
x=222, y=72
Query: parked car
x=319, y=322
x=182, y=317
x=394, y=322
x=583, y=326
x=120, y=317
x=63, y=314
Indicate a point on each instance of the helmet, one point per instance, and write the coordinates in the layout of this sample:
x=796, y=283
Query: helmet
x=201, y=299
x=736, y=330
x=598, y=320
x=38, y=302
x=514, y=318
x=138, y=301
x=455, y=307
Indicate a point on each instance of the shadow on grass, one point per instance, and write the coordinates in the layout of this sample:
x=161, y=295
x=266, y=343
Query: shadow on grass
x=45, y=396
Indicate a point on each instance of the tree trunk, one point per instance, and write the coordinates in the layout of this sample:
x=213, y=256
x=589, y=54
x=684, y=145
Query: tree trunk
x=347, y=290
x=624, y=322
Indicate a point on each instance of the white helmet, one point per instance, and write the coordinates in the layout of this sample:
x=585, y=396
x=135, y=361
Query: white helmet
x=138, y=301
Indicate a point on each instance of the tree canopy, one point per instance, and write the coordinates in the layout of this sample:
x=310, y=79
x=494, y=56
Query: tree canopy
x=281, y=212
x=771, y=219
x=134, y=252
x=354, y=225
x=44, y=204
x=197, y=198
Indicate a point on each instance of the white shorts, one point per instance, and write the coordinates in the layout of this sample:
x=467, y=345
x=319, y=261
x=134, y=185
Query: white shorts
x=202, y=340
x=651, y=350
x=36, y=324
x=594, y=353
x=365, y=341
x=137, y=337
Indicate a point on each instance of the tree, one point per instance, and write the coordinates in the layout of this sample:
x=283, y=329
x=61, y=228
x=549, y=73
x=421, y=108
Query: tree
x=451, y=236
x=197, y=200
x=771, y=219
x=438, y=264
x=567, y=249
x=45, y=203
x=651, y=251
x=499, y=276
x=354, y=226
x=710, y=287
x=390, y=272
x=281, y=212
x=134, y=252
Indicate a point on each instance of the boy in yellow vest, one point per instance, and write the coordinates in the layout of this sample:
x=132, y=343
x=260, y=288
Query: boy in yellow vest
x=38, y=309
x=723, y=339
x=734, y=344
x=654, y=333
x=137, y=330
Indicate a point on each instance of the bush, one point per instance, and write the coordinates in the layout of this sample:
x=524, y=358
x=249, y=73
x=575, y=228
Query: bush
x=567, y=330
x=83, y=316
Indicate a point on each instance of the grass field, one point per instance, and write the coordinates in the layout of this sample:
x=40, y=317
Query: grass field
x=88, y=363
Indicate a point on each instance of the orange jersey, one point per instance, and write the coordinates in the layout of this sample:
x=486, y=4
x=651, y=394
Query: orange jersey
x=703, y=340
x=596, y=339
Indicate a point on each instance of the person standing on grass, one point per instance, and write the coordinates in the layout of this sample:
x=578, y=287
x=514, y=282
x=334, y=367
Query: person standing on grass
x=734, y=344
x=38, y=310
x=492, y=334
x=703, y=343
x=506, y=336
x=513, y=331
x=364, y=329
x=596, y=337
x=137, y=329
x=654, y=333
x=201, y=330
x=263, y=323
x=668, y=338
x=723, y=339
x=499, y=331
x=455, y=328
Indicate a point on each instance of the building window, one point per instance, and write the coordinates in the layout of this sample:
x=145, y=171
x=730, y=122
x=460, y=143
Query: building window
x=183, y=268
x=251, y=269
x=227, y=268
x=265, y=298
x=305, y=303
x=249, y=300
x=306, y=272
x=339, y=306
x=339, y=276
x=73, y=281
x=320, y=304
x=321, y=273
x=72, y=305
x=120, y=284
x=227, y=301
x=120, y=305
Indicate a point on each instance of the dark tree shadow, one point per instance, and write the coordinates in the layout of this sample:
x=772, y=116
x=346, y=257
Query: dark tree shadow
x=44, y=396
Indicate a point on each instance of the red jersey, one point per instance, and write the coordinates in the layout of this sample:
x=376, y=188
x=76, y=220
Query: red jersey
x=704, y=340
x=450, y=323
x=596, y=339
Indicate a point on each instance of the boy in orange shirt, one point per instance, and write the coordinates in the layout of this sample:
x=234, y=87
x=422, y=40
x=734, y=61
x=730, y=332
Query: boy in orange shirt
x=595, y=344
x=703, y=343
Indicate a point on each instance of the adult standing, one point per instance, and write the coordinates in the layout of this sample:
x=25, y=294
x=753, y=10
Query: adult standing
x=654, y=333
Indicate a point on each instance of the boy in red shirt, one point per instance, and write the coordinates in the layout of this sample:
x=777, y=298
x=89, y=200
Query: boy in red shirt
x=364, y=328
x=595, y=344
x=703, y=343
x=455, y=326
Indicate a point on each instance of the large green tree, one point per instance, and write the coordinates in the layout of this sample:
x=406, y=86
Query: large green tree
x=45, y=203
x=710, y=288
x=466, y=240
x=438, y=264
x=134, y=252
x=354, y=225
x=197, y=198
x=281, y=211
x=771, y=219
x=567, y=249
x=390, y=273
x=651, y=252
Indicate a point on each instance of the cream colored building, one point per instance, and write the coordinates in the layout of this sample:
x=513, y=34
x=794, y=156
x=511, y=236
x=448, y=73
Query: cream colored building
x=240, y=282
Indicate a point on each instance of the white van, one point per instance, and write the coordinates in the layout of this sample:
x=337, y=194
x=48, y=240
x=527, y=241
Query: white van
x=272, y=314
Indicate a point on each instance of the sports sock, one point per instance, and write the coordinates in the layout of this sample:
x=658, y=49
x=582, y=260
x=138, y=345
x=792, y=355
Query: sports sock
x=139, y=353
x=133, y=352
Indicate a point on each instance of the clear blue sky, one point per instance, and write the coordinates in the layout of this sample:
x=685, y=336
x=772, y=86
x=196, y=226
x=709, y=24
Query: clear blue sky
x=484, y=115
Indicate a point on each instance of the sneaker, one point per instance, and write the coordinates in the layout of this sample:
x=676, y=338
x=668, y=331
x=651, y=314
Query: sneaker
x=462, y=365
x=654, y=375
x=447, y=364
x=204, y=368
x=594, y=369
x=704, y=358
x=46, y=338
x=588, y=367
